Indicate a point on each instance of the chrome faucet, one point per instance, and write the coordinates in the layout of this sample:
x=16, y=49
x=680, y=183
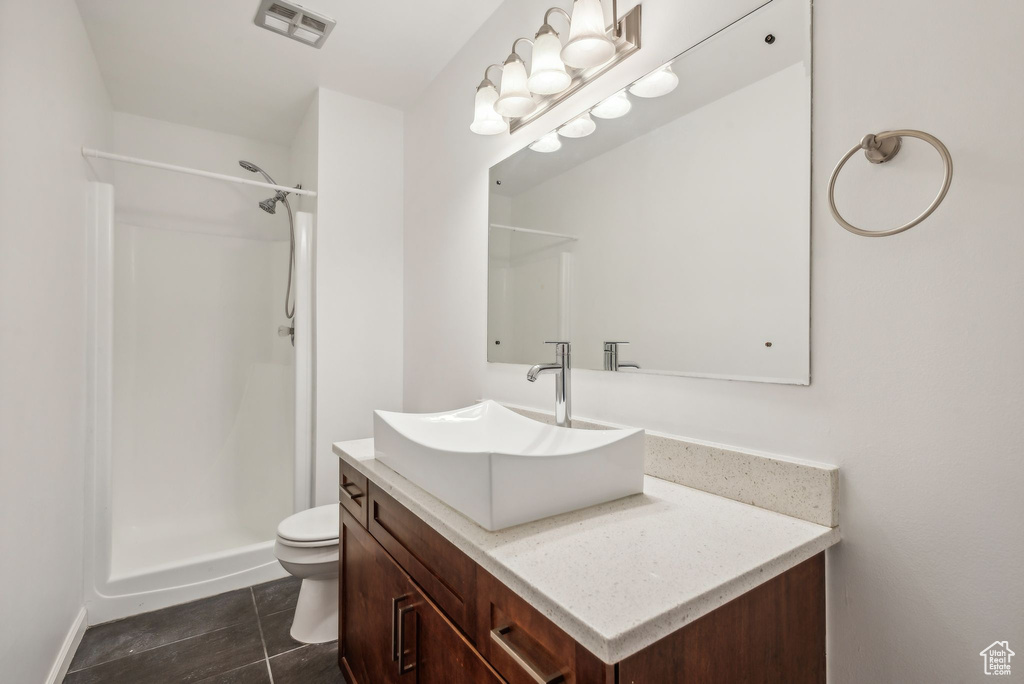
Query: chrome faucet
x=562, y=368
x=611, y=357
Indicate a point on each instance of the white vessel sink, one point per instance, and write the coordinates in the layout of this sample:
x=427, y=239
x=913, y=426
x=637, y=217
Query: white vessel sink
x=502, y=469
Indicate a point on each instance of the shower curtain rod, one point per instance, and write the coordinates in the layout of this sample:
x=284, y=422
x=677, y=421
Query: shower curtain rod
x=88, y=152
x=534, y=231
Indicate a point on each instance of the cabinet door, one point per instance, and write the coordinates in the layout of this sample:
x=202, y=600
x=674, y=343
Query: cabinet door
x=443, y=654
x=374, y=592
x=392, y=633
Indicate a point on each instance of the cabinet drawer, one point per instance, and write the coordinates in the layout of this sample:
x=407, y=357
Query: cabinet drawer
x=527, y=648
x=446, y=574
x=352, y=493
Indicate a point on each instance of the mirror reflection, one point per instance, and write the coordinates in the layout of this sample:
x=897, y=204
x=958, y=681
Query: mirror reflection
x=666, y=230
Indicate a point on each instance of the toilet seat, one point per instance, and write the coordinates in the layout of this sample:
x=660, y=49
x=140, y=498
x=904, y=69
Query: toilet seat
x=314, y=527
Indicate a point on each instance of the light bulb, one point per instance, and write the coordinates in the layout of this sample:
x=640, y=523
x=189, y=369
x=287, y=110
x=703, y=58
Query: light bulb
x=547, y=74
x=486, y=121
x=588, y=44
x=548, y=143
x=615, y=106
x=580, y=127
x=655, y=84
x=515, y=99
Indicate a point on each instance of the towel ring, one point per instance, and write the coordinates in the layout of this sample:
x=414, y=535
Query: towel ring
x=879, y=149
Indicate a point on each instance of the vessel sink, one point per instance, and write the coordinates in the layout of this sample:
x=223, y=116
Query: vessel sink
x=500, y=469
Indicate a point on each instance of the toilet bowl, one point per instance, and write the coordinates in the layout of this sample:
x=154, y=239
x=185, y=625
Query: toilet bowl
x=307, y=547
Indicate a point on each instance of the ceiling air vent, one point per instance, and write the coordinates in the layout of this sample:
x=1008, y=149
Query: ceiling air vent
x=294, y=21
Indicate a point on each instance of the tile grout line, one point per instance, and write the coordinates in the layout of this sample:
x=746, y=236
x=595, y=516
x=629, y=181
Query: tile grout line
x=263, y=641
x=154, y=648
x=169, y=643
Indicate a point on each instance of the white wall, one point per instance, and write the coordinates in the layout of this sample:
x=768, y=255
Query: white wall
x=52, y=101
x=916, y=339
x=303, y=156
x=358, y=274
x=723, y=226
x=167, y=200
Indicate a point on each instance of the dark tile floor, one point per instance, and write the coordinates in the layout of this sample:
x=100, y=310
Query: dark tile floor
x=240, y=637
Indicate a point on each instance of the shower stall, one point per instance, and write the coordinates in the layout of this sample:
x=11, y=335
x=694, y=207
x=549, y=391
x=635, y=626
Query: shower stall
x=200, y=388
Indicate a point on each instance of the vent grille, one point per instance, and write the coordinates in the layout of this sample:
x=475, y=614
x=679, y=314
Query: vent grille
x=314, y=24
x=294, y=21
x=285, y=12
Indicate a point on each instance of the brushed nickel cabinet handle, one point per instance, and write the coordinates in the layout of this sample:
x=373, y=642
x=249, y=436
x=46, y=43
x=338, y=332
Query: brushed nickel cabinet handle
x=394, y=627
x=395, y=618
x=357, y=495
x=402, y=668
x=498, y=636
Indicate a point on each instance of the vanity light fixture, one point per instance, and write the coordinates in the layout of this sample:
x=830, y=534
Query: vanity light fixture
x=588, y=45
x=547, y=73
x=486, y=121
x=580, y=127
x=547, y=143
x=515, y=99
x=614, y=107
x=655, y=84
x=556, y=71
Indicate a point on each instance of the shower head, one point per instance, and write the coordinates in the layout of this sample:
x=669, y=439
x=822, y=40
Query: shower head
x=267, y=205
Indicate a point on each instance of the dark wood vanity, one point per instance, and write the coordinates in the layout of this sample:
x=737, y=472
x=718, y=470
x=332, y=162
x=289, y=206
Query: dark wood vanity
x=414, y=608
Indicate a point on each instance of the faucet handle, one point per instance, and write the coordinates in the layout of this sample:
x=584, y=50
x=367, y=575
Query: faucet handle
x=611, y=357
x=561, y=348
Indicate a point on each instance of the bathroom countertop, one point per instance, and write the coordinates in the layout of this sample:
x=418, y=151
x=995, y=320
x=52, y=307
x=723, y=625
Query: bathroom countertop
x=620, y=576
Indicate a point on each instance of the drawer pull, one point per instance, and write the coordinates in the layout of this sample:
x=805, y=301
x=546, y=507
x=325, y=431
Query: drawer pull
x=402, y=667
x=499, y=636
x=357, y=495
x=394, y=626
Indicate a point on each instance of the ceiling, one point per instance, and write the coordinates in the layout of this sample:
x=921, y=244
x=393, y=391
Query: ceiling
x=206, y=64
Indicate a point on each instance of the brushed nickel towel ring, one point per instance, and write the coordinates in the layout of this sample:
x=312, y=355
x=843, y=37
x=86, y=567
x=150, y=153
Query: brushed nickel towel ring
x=879, y=149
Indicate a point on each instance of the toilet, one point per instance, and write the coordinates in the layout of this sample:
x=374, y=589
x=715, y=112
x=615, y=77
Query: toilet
x=307, y=547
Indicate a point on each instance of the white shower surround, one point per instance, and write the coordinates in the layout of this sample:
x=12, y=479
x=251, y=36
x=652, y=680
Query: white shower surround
x=114, y=591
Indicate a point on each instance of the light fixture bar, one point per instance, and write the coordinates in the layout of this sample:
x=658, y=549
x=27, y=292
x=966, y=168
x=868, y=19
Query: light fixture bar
x=626, y=35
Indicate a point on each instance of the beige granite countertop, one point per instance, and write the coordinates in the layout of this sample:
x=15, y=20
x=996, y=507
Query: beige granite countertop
x=620, y=576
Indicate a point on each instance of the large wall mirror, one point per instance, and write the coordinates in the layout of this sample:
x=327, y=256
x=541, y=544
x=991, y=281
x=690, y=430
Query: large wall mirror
x=673, y=217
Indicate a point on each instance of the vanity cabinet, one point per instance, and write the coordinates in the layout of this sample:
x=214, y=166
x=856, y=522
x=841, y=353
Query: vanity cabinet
x=414, y=608
x=390, y=630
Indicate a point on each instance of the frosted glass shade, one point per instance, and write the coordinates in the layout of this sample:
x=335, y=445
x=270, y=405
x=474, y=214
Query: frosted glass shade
x=547, y=74
x=515, y=99
x=580, y=127
x=486, y=121
x=588, y=44
x=615, y=106
x=655, y=84
x=549, y=143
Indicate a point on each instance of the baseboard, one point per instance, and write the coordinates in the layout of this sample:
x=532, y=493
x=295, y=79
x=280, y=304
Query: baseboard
x=68, y=648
